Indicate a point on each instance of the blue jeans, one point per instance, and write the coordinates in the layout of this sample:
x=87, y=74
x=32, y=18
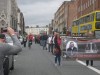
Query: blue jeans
x=52, y=47
x=58, y=58
x=49, y=47
x=44, y=44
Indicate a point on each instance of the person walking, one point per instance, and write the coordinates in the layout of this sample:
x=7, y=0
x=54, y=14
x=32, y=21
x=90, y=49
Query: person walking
x=57, y=51
x=36, y=39
x=53, y=42
x=24, y=41
x=45, y=37
x=49, y=43
x=6, y=49
x=41, y=40
x=91, y=62
x=30, y=39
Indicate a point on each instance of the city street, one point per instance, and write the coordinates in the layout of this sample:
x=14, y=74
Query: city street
x=73, y=25
x=37, y=61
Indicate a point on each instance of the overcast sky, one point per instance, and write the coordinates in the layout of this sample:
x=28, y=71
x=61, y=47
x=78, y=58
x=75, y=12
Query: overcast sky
x=38, y=12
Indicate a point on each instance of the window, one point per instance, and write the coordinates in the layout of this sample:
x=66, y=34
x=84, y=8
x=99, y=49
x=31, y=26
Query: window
x=97, y=26
x=88, y=4
x=92, y=1
x=86, y=27
x=74, y=23
x=77, y=22
x=97, y=34
x=79, y=9
x=84, y=7
x=89, y=27
x=88, y=18
x=92, y=17
x=98, y=16
x=80, y=21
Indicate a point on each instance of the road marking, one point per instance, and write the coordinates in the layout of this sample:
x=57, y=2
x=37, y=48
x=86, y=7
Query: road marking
x=90, y=67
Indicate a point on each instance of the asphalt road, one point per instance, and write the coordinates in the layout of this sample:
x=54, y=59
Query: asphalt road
x=37, y=61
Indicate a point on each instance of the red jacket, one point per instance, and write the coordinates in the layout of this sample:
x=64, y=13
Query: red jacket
x=30, y=37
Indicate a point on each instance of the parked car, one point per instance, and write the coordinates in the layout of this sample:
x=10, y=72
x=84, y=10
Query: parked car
x=8, y=63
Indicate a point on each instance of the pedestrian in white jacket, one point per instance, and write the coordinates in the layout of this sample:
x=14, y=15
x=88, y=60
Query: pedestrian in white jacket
x=49, y=43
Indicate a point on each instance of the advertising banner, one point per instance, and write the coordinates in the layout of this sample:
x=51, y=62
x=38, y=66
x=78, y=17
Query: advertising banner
x=82, y=49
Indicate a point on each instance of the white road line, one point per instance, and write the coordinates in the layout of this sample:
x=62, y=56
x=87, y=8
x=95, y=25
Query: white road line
x=90, y=67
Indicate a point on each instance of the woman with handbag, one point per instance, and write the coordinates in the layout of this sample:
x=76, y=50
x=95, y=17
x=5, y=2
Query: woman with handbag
x=57, y=50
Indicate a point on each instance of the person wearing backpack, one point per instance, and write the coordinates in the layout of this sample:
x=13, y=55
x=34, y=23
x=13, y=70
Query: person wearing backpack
x=57, y=50
x=24, y=41
x=45, y=37
x=30, y=39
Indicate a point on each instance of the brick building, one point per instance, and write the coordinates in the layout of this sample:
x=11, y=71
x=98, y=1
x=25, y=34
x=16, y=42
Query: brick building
x=60, y=17
x=87, y=6
x=64, y=16
x=71, y=13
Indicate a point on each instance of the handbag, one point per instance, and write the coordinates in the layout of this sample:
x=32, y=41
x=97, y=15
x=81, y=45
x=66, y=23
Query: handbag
x=56, y=51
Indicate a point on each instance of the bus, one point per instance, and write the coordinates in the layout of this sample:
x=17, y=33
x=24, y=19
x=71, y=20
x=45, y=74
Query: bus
x=75, y=28
x=87, y=23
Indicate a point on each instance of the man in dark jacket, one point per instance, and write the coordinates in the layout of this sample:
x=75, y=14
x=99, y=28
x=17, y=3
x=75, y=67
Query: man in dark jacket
x=6, y=49
x=45, y=37
x=72, y=49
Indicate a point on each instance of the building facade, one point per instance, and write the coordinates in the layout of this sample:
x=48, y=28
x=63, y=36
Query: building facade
x=52, y=27
x=60, y=17
x=64, y=16
x=71, y=14
x=87, y=6
x=37, y=30
x=21, y=22
x=8, y=14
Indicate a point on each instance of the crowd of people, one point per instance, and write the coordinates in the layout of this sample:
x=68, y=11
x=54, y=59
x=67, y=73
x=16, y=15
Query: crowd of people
x=27, y=40
x=51, y=43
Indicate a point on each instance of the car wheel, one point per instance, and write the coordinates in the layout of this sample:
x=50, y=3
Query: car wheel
x=6, y=66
